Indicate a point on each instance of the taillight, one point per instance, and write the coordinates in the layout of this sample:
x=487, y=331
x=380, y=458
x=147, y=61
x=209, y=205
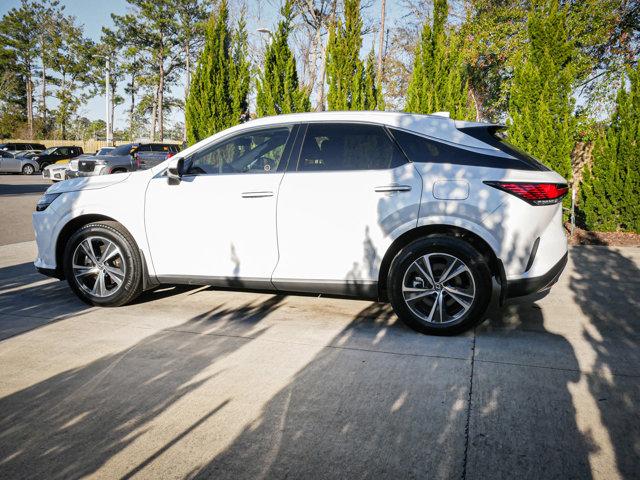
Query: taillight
x=170, y=154
x=137, y=157
x=534, y=193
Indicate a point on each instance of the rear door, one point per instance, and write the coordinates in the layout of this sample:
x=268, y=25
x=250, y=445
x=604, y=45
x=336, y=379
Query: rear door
x=349, y=192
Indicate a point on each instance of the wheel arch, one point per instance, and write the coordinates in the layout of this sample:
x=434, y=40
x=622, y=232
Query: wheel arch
x=479, y=243
x=72, y=226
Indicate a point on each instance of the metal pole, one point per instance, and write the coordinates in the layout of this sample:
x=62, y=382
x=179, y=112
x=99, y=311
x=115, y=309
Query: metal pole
x=573, y=213
x=107, y=101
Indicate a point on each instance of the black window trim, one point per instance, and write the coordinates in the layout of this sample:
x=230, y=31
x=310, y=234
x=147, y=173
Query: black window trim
x=383, y=127
x=286, y=154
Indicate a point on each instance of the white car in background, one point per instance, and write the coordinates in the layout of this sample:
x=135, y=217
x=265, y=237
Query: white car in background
x=56, y=172
x=419, y=210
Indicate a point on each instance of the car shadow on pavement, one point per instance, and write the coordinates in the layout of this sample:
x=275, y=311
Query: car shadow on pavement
x=607, y=289
x=72, y=423
x=22, y=189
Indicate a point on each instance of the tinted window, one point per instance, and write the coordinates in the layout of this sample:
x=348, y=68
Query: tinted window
x=63, y=151
x=424, y=150
x=259, y=151
x=144, y=148
x=5, y=154
x=329, y=147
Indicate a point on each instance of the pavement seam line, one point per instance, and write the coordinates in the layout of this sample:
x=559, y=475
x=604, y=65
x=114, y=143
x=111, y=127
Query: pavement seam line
x=468, y=419
x=573, y=370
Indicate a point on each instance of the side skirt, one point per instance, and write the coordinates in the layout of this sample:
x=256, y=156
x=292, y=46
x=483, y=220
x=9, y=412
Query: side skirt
x=367, y=290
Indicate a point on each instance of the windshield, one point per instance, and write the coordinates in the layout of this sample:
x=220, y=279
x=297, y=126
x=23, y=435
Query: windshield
x=48, y=151
x=105, y=151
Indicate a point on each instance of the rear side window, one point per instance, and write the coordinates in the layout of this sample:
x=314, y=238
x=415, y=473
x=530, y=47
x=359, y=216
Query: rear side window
x=425, y=150
x=122, y=149
x=331, y=146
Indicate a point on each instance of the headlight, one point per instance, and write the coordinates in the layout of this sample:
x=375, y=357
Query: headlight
x=46, y=200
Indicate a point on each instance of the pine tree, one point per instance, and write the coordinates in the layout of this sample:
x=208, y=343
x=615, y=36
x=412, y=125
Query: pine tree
x=611, y=188
x=218, y=94
x=278, y=90
x=540, y=103
x=439, y=80
x=352, y=85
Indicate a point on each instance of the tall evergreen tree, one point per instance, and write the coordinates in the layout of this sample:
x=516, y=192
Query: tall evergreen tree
x=540, y=104
x=278, y=90
x=218, y=88
x=439, y=80
x=347, y=76
x=611, y=188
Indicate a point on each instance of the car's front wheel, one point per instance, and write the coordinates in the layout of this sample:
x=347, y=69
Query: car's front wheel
x=439, y=285
x=102, y=265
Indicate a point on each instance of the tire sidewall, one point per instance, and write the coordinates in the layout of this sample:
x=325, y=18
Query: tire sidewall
x=452, y=246
x=130, y=259
x=26, y=167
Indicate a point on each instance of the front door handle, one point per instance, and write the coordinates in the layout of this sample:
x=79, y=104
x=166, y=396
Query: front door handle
x=394, y=187
x=257, y=194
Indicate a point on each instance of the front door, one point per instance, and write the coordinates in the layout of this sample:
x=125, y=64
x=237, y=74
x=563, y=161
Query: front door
x=339, y=209
x=218, y=225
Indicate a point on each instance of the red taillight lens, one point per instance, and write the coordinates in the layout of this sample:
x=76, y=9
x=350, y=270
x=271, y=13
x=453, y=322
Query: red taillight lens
x=137, y=158
x=170, y=154
x=534, y=193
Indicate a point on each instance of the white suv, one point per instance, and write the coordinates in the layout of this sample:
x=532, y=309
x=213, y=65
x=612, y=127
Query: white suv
x=419, y=210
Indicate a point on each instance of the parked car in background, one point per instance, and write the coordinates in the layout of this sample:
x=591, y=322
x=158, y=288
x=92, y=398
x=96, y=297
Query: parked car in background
x=121, y=159
x=56, y=172
x=422, y=211
x=152, y=154
x=104, y=150
x=56, y=154
x=20, y=147
x=12, y=162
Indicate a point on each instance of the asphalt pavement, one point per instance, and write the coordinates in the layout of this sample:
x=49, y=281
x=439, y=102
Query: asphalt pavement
x=204, y=383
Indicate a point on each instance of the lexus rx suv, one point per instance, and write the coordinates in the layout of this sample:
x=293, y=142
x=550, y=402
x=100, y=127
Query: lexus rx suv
x=422, y=211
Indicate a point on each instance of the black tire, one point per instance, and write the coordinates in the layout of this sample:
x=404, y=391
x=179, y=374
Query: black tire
x=448, y=247
x=130, y=287
x=28, y=169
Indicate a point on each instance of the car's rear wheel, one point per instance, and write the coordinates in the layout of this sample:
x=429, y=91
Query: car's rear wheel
x=439, y=285
x=28, y=170
x=102, y=264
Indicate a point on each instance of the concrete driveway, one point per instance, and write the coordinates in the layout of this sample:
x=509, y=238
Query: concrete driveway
x=200, y=383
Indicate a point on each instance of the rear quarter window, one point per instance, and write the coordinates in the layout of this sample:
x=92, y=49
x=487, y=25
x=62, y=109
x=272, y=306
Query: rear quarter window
x=424, y=150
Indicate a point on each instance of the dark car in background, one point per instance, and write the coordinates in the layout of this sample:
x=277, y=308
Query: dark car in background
x=21, y=146
x=56, y=154
x=124, y=158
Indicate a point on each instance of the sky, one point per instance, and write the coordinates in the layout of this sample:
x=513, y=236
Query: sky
x=94, y=14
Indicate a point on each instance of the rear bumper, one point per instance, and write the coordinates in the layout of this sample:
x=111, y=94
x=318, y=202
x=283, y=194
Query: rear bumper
x=527, y=286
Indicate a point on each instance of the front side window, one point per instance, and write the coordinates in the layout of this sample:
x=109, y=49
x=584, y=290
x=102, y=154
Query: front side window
x=258, y=151
x=330, y=147
x=62, y=151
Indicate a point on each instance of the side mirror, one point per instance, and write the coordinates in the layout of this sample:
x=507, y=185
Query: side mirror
x=175, y=169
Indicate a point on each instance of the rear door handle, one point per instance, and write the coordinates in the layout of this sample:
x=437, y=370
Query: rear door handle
x=256, y=194
x=393, y=188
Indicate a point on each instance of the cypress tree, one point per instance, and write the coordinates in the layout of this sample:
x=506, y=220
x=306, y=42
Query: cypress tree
x=439, y=80
x=540, y=103
x=278, y=90
x=352, y=85
x=611, y=188
x=217, y=97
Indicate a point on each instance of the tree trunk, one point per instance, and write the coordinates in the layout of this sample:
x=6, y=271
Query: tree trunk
x=323, y=71
x=381, y=45
x=113, y=109
x=186, y=88
x=30, y=105
x=44, y=84
x=133, y=105
x=154, y=115
x=161, y=102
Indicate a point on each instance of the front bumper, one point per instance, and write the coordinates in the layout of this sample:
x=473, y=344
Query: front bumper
x=527, y=286
x=76, y=173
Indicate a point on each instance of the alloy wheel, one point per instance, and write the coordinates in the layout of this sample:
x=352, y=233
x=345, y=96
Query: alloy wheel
x=438, y=288
x=98, y=266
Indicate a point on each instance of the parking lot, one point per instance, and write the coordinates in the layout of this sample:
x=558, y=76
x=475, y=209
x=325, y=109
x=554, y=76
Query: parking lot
x=205, y=383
